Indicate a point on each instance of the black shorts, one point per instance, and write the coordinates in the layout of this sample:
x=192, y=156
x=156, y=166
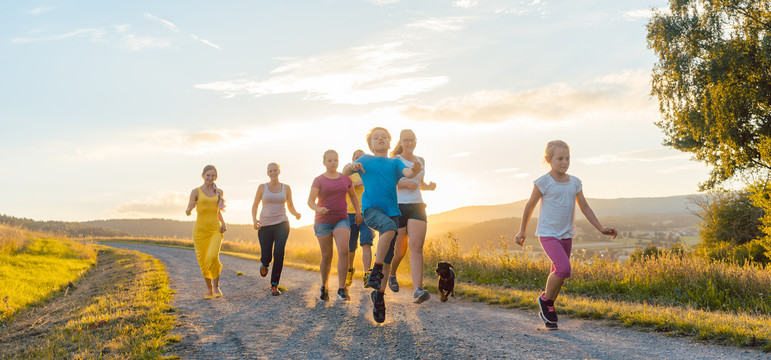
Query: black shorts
x=412, y=211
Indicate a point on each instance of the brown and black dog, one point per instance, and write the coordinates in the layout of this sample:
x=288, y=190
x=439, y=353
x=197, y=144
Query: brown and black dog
x=446, y=280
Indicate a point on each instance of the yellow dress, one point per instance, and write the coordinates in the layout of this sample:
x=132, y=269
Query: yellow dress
x=207, y=237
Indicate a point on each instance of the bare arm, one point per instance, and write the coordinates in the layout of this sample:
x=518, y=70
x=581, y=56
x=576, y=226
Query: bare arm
x=589, y=214
x=404, y=184
x=255, y=205
x=223, y=228
x=290, y=203
x=192, y=202
x=350, y=168
x=526, y=214
x=356, y=205
x=413, y=171
x=312, y=201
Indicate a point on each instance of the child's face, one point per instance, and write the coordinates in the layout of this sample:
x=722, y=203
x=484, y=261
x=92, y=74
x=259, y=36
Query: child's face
x=379, y=141
x=560, y=161
x=330, y=161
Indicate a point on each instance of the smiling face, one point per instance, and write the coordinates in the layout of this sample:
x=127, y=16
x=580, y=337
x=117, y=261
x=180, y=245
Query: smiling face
x=209, y=176
x=560, y=160
x=408, y=141
x=273, y=171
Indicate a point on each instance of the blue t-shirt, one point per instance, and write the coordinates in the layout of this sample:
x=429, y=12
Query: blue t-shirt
x=380, y=177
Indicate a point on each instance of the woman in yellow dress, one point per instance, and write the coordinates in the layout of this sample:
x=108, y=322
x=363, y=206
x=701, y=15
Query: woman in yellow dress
x=209, y=227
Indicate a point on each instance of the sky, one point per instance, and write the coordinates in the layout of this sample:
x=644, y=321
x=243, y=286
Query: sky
x=111, y=109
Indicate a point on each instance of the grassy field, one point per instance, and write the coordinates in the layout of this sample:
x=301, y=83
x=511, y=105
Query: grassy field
x=64, y=299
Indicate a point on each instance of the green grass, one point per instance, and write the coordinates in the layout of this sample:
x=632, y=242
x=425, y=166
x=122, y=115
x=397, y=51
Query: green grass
x=40, y=269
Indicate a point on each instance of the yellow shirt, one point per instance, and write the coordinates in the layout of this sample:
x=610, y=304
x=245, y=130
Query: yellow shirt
x=359, y=189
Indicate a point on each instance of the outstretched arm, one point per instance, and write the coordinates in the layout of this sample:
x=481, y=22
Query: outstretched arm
x=413, y=171
x=587, y=210
x=529, y=207
x=351, y=168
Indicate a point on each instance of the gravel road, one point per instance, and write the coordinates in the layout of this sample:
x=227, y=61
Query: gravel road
x=249, y=323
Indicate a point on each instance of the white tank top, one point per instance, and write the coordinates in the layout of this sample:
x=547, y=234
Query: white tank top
x=406, y=196
x=273, y=209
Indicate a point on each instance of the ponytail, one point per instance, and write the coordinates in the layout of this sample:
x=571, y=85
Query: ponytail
x=220, y=200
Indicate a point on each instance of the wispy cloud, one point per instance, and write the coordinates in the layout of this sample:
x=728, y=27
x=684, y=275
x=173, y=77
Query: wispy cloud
x=640, y=14
x=466, y=4
x=40, y=10
x=689, y=167
x=139, y=42
x=647, y=155
x=160, y=205
x=626, y=91
x=440, y=24
x=92, y=34
x=360, y=75
x=165, y=23
x=206, y=42
x=383, y=2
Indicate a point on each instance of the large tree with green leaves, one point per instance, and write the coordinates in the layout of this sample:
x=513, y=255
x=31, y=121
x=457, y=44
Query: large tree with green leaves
x=713, y=83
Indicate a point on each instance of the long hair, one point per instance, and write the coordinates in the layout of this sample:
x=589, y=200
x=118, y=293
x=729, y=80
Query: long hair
x=398, y=149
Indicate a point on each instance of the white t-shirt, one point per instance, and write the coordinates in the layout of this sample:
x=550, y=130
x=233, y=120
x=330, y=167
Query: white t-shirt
x=558, y=207
x=406, y=196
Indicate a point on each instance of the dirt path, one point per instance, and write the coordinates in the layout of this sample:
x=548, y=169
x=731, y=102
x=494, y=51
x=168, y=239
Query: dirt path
x=249, y=323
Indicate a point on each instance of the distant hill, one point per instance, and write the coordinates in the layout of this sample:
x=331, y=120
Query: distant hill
x=465, y=216
x=71, y=229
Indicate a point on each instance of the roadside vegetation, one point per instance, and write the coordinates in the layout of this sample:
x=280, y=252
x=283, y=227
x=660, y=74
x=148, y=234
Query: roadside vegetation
x=66, y=299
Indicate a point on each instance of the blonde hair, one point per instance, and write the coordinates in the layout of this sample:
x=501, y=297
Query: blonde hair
x=220, y=200
x=398, y=149
x=330, y=152
x=209, y=167
x=357, y=150
x=276, y=164
x=369, y=136
x=552, y=146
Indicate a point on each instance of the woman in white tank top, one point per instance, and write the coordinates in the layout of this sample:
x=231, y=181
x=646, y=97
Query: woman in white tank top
x=413, y=219
x=273, y=225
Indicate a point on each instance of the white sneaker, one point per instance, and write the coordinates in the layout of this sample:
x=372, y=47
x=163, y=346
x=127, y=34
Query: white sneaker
x=420, y=296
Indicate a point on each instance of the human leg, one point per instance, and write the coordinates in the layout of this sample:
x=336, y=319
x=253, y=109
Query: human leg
x=417, y=231
x=341, y=235
x=266, y=237
x=280, y=234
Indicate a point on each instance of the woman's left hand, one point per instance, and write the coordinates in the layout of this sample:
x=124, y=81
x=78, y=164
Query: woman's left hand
x=431, y=186
x=609, y=231
x=358, y=218
x=223, y=228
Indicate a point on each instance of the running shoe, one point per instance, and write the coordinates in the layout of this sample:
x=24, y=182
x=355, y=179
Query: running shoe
x=275, y=291
x=366, y=278
x=420, y=296
x=375, y=277
x=349, y=277
x=324, y=294
x=378, y=310
x=263, y=270
x=547, y=314
x=393, y=284
x=342, y=294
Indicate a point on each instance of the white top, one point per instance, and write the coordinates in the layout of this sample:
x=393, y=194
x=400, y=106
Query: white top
x=406, y=196
x=273, y=210
x=558, y=207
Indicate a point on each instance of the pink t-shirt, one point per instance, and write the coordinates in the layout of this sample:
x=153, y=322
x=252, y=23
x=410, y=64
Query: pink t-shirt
x=332, y=194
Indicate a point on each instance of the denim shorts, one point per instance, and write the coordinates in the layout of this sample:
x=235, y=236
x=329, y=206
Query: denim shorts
x=377, y=220
x=360, y=234
x=324, y=229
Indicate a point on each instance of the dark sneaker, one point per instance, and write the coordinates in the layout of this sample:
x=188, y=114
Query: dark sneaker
x=263, y=270
x=375, y=277
x=378, y=309
x=342, y=294
x=366, y=278
x=349, y=277
x=393, y=284
x=420, y=296
x=275, y=291
x=548, y=315
x=324, y=294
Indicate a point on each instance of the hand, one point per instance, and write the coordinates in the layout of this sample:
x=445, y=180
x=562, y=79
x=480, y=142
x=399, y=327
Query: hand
x=321, y=210
x=357, y=167
x=188, y=212
x=609, y=231
x=416, y=167
x=519, y=238
x=297, y=216
x=257, y=224
x=358, y=218
x=223, y=228
x=411, y=185
x=431, y=186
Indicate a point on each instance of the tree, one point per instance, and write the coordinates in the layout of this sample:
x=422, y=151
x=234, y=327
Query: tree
x=713, y=83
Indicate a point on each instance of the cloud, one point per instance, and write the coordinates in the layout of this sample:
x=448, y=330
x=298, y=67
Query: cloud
x=624, y=91
x=160, y=205
x=641, y=14
x=689, y=167
x=93, y=34
x=40, y=10
x=359, y=75
x=647, y=155
x=165, y=23
x=383, y=2
x=138, y=42
x=440, y=24
x=466, y=4
x=206, y=42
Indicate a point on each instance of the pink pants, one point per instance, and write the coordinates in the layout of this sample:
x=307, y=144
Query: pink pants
x=558, y=252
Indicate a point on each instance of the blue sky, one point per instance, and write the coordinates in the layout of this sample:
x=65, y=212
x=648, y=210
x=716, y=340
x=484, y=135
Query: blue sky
x=111, y=109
